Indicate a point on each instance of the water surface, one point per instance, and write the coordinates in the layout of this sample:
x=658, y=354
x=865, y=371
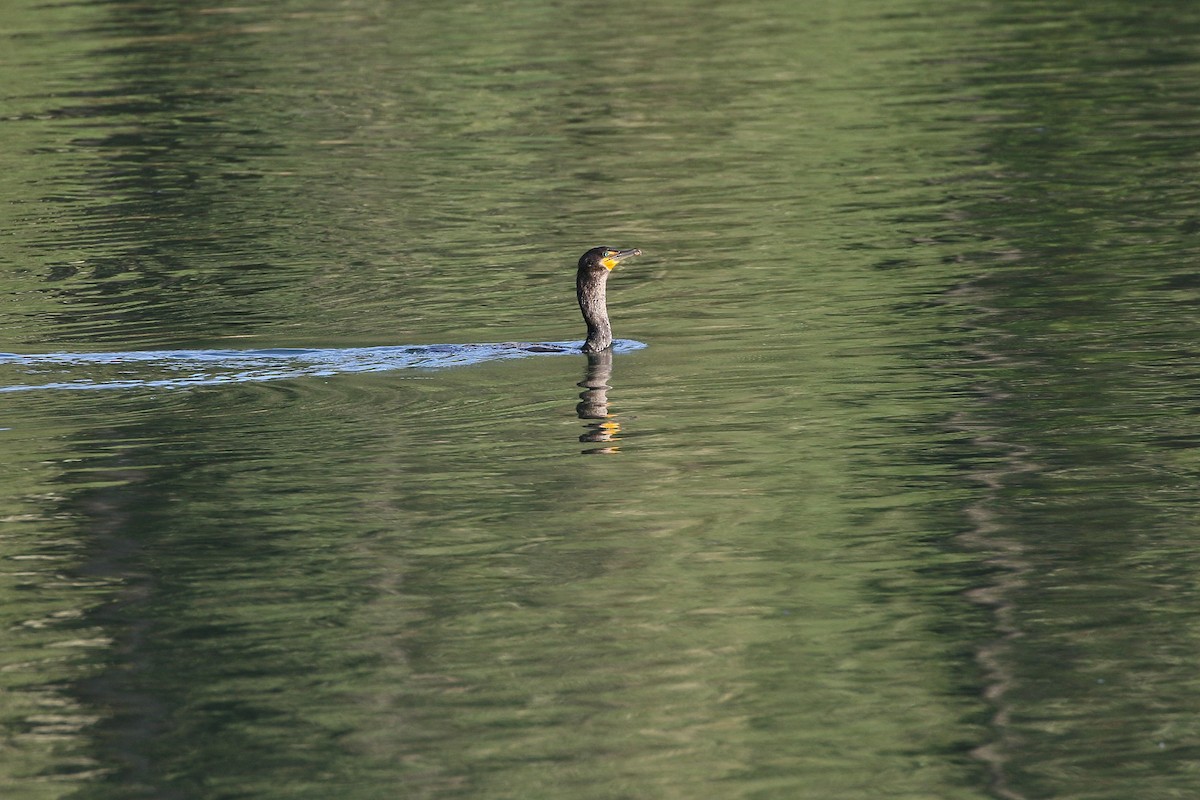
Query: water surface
x=896, y=501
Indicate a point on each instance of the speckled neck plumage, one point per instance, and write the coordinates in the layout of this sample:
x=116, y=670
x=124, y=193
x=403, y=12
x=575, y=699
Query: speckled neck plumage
x=591, y=282
x=591, y=287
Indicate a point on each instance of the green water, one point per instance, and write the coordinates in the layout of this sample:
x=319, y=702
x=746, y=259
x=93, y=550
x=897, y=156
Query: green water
x=898, y=501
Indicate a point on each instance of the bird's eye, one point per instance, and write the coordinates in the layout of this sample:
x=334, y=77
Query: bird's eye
x=610, y=252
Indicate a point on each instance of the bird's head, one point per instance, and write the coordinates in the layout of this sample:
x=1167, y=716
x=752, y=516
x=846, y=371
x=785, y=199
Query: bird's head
x=604, y=258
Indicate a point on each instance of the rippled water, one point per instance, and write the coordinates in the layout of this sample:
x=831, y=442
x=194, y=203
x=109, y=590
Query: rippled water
x=179, y=369
x=897, y=500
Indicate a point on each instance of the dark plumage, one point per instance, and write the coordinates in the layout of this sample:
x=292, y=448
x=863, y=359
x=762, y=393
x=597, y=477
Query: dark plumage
x=590, y=284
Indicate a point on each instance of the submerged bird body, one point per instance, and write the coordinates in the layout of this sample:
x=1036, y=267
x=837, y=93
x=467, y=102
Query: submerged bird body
x=591, y=283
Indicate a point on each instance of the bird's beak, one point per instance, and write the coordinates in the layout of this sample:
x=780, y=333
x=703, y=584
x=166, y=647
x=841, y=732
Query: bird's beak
x=619, y=256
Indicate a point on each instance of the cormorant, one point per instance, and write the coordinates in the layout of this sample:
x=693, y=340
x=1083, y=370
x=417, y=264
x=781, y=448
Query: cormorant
x=590, y=283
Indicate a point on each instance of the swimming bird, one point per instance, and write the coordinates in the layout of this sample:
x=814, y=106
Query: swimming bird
x=174, y=369
x=590, y=284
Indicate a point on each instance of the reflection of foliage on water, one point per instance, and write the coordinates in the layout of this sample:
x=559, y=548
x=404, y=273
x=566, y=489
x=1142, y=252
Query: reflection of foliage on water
x=374, y=581
x=1083, y=340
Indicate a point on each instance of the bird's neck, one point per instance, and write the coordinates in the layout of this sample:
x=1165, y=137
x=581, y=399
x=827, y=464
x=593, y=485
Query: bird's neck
x=591, y=286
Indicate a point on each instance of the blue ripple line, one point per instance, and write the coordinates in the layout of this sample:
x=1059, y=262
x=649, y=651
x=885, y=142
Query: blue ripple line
x=216, y=367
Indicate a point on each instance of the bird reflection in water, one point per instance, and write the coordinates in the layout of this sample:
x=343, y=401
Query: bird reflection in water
x=600, y=427
x=591, y=282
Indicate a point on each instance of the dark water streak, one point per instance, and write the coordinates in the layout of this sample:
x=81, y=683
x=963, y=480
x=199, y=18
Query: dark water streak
x=1083, y=364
